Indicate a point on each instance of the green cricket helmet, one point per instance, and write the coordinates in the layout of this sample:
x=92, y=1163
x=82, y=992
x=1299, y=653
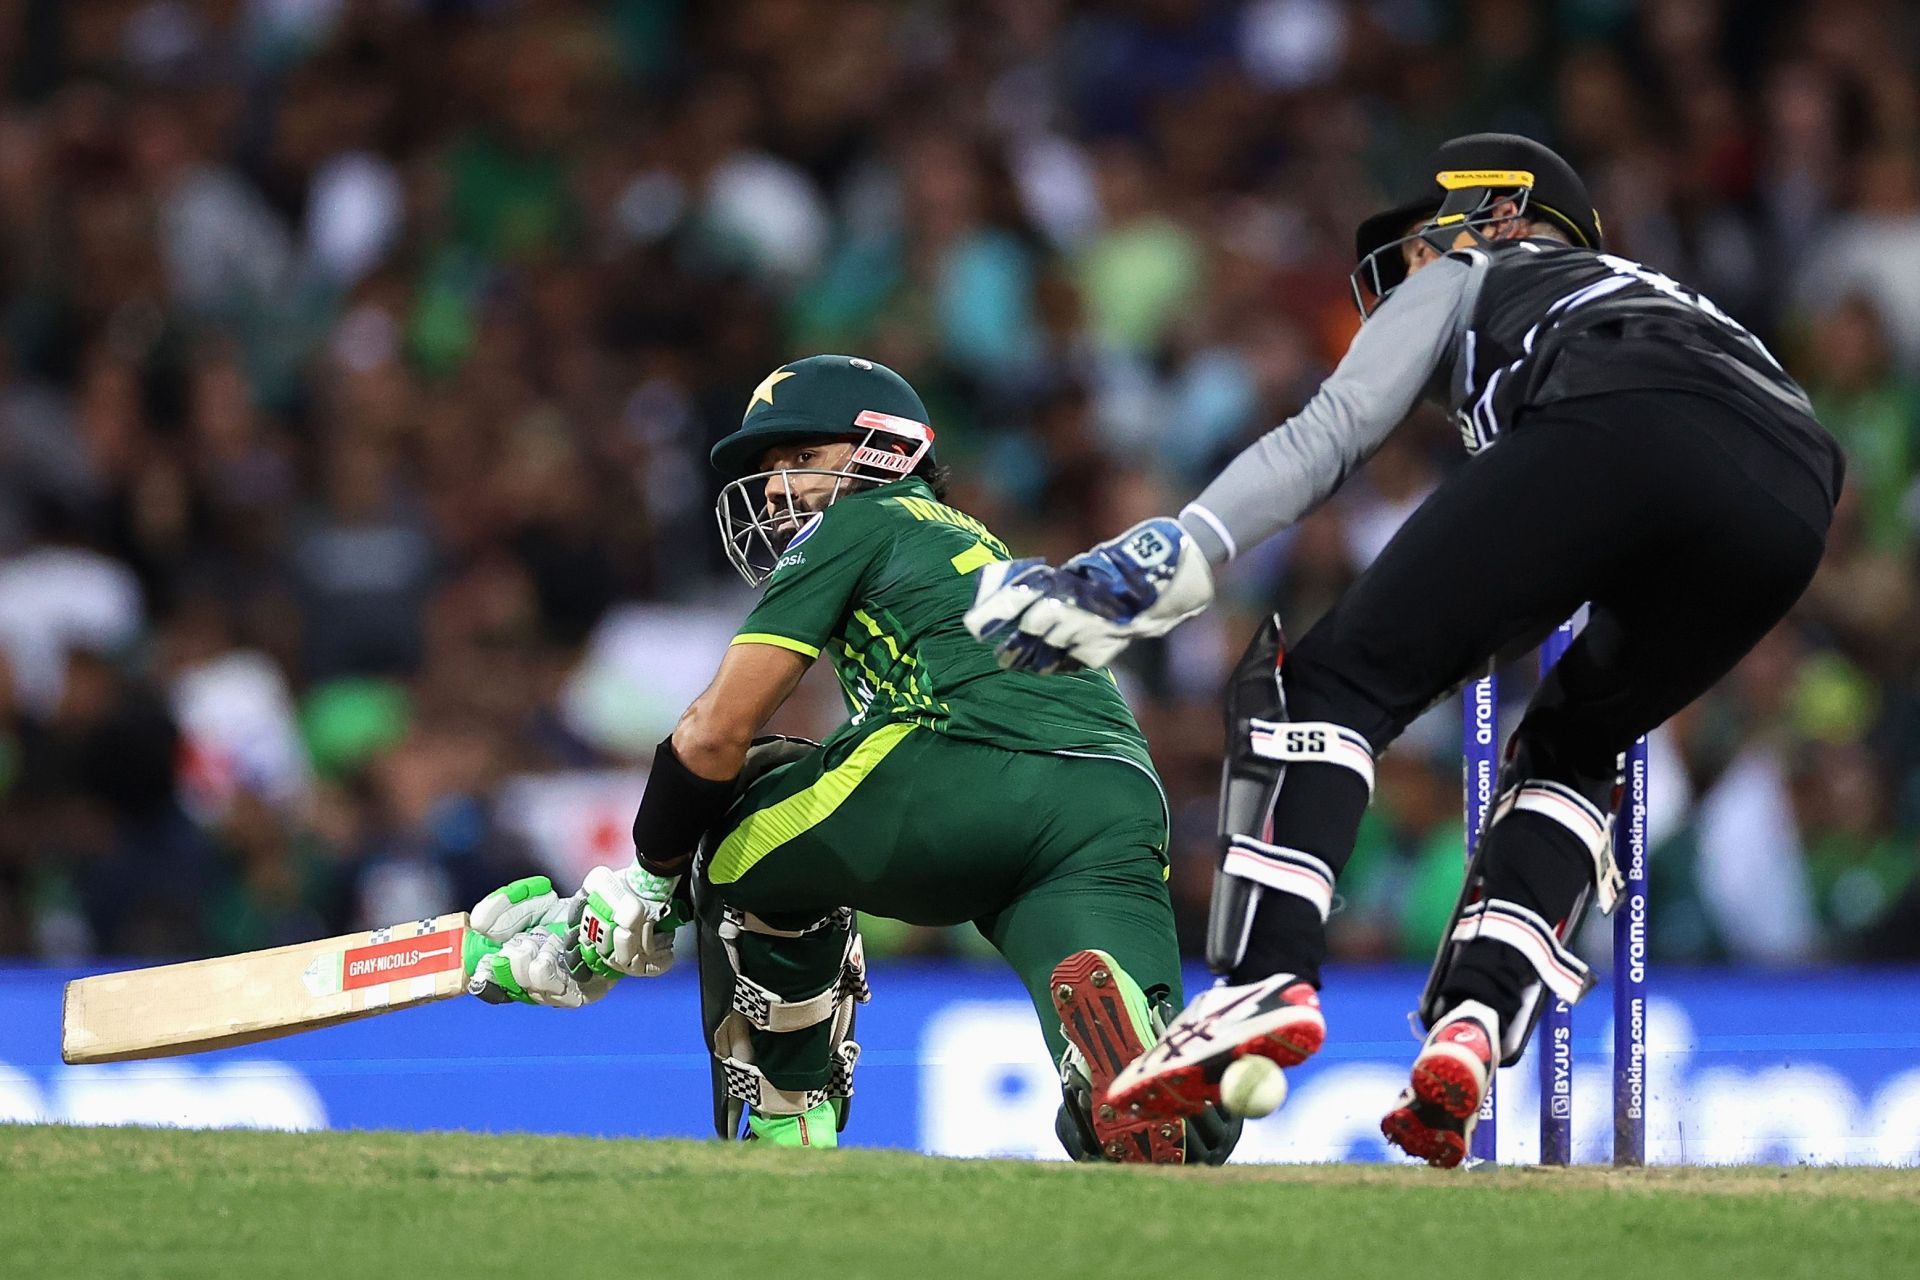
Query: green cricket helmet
x=821, y=398
x=1470, y=175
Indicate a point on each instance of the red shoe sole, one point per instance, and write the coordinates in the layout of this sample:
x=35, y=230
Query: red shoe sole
x=1189, y=1090
x=1447, y=1083
x=1093, y=1014
x=1442, y=1148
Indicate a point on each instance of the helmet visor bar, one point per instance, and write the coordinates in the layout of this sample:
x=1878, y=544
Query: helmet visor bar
x=757, y=524
x=1465, y=209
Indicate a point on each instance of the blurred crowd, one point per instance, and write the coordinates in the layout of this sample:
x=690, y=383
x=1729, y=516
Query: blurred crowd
x=360, y=358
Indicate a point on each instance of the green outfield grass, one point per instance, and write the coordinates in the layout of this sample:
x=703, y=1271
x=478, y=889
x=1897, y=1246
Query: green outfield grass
x=103, y=1203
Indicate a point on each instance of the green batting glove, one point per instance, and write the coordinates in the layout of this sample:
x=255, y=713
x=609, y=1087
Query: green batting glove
x=525, y=904
x=475, y=950
x=536, y=968
x=516, y=949
x=622, y=922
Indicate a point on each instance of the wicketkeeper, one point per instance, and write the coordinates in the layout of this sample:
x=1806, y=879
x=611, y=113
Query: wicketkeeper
x=1631, y=446
x=957, y=793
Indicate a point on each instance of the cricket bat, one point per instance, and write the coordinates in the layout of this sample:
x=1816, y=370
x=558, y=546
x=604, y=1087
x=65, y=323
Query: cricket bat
x=259, y=995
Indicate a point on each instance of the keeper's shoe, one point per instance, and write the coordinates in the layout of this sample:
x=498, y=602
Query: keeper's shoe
x=1276, y=1018
x=1105, y=1017
x=1436, y=1113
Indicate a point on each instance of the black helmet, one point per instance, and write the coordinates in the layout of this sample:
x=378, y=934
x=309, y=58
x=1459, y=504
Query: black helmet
x=1468, y=175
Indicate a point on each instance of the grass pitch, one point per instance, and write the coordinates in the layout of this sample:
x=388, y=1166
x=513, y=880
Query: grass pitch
x=154, y=1204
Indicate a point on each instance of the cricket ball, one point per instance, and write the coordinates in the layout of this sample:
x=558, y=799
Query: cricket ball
x=1253, y=1087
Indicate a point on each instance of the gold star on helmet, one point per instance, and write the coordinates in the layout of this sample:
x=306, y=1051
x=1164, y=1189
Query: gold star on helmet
x=765, y=390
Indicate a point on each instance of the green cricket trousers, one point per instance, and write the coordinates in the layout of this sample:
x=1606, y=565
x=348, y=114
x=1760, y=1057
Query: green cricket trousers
x=1044, y=854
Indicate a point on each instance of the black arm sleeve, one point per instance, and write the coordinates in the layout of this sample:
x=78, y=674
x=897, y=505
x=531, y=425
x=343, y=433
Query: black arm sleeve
x=675, y=812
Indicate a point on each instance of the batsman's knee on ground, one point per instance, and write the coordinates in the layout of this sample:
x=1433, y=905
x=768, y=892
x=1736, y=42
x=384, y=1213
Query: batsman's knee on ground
x=1069, y=856
x=777, y=1002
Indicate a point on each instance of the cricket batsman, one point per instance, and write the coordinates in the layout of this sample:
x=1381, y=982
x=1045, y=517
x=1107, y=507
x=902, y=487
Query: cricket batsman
x=957, y=793
x=1631, y=446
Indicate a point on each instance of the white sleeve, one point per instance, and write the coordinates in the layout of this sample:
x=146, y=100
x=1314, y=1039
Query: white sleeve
x=1294, y=467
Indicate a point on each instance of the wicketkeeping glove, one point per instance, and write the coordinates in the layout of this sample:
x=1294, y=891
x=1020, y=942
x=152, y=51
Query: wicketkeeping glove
x=622, y=922
x=1143, y=583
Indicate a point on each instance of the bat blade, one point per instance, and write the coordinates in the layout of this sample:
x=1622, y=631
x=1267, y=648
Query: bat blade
x=259, y=995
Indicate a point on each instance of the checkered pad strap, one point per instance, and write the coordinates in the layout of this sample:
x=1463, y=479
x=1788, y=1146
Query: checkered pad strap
x=853, y=971
x=846, y=1055
x=1277, y=867
x=1525, y=931
x=735, y=922
x=1312, y=742
x=1567, y=808
x=767, y=1011
x=746, y=1084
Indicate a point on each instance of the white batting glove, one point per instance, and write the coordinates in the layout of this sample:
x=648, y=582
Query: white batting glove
x=622, y=922
x=535, y=968
x=524, y=957
x=515, y=908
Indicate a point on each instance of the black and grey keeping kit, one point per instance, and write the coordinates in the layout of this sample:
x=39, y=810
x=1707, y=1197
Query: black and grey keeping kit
x=1633, y=448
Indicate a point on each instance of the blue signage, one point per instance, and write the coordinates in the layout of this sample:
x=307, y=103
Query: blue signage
x=1821, y=1067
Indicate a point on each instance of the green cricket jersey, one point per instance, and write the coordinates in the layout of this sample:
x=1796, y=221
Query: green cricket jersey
x=878, y=583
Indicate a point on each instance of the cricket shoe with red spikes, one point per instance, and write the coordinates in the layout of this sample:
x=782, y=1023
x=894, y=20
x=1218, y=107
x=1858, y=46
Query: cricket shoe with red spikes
x=1436, y=1113
x=1276, y=1018
x=1108, y=1023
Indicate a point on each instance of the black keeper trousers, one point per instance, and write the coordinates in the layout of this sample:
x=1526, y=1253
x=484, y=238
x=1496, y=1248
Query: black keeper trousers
x=1690, y=534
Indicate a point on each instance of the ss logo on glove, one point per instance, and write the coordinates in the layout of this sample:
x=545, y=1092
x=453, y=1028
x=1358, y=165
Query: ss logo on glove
x=1148, y=548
